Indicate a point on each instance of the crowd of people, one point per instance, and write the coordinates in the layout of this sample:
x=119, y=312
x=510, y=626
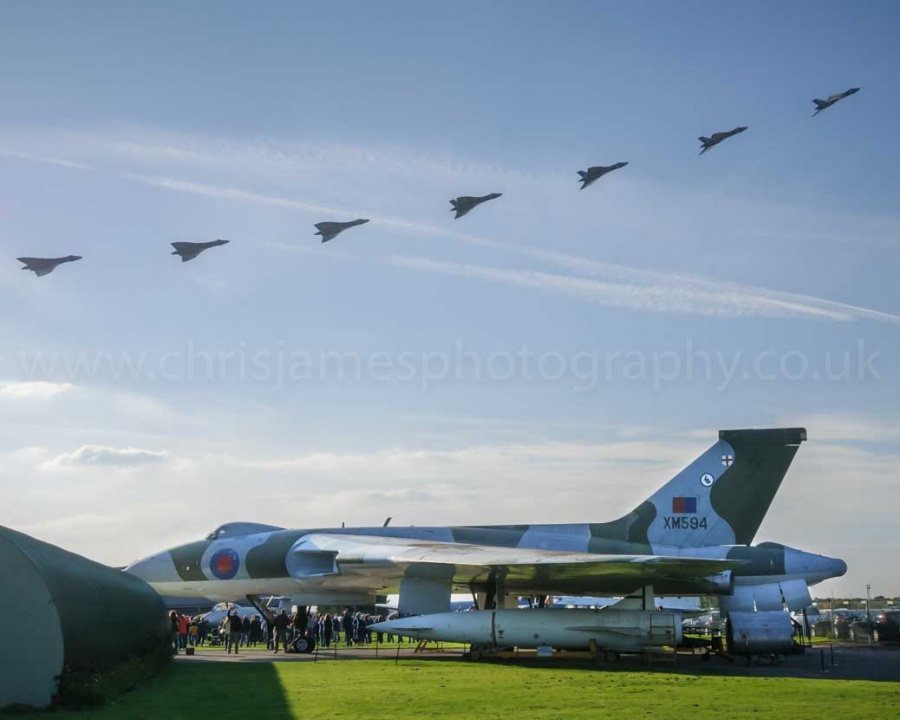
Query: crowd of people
x=245, y=631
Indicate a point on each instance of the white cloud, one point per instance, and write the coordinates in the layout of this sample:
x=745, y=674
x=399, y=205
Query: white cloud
x=748, y=297
x=852, y=428
x=45, y=159
x=232, y=194
x=239, y=195
x=101, y=455
x=658, y=292
x=166, y=149
x=39, y=390
x=26, y=456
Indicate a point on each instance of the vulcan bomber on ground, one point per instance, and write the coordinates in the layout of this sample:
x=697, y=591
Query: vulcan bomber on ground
x=190, y=250
x=691, y=537
x=45, y=266
x=832, y=99
x=466, y=203
x=716, y=138
x=330, y=230
x=592, y=174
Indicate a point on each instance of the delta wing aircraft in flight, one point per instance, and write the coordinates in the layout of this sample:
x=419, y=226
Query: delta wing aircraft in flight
x=691, y=537
x=832, y=99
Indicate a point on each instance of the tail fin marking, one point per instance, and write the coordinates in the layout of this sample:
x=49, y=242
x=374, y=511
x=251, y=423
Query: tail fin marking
x=719, y=499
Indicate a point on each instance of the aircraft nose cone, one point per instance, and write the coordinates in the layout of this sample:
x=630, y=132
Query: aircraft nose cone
x=838, y=567
x=157, y=568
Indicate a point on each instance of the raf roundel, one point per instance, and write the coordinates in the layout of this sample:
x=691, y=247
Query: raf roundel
x=706, y=480
x=225, y=564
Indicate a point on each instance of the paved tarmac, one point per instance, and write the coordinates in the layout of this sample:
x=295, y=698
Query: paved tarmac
x=837, y=662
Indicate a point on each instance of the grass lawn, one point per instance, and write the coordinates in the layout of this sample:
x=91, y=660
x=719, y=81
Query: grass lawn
x=453, y=689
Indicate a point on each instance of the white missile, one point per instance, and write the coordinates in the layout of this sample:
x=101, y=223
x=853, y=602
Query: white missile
x=608, y=628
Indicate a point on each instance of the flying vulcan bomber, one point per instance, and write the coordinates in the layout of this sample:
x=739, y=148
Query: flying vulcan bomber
x=190, y=250
x=330, y=230
x=718, y=137
x=466, y=203
x=592, y=174
x=832, y=99
x=45, y=266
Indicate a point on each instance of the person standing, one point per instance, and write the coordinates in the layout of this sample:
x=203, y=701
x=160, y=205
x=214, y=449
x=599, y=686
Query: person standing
x=233, y=629
x=326, y=630
x=173, y=630
x=281, y=623
x=255, y=631
x=348, y=626
x=194, y=632
x=183, y=625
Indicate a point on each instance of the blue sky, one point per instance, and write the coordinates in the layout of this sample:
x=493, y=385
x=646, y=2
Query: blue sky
x=583, y=345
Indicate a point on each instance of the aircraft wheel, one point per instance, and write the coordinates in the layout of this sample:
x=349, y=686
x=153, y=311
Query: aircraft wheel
x=304, y=645
x=475, y=654
x=610, y=656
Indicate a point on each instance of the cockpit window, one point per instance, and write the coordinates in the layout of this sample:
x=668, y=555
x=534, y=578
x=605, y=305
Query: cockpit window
x=240, y=528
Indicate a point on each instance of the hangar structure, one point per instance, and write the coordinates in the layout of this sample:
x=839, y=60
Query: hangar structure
x=67, y=612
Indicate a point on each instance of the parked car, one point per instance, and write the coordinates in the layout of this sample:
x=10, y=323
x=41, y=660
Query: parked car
x=822, y=625
x=841, y=619
x=884, y=625
x=814, y=617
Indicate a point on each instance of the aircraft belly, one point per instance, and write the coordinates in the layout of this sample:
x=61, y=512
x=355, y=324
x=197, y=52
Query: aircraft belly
x=227, y=589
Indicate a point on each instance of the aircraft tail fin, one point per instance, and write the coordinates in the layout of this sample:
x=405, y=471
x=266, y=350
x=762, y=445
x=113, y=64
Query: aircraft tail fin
x=819, y=103
x=703, y=139
x=582, y=174
x=719, y=499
